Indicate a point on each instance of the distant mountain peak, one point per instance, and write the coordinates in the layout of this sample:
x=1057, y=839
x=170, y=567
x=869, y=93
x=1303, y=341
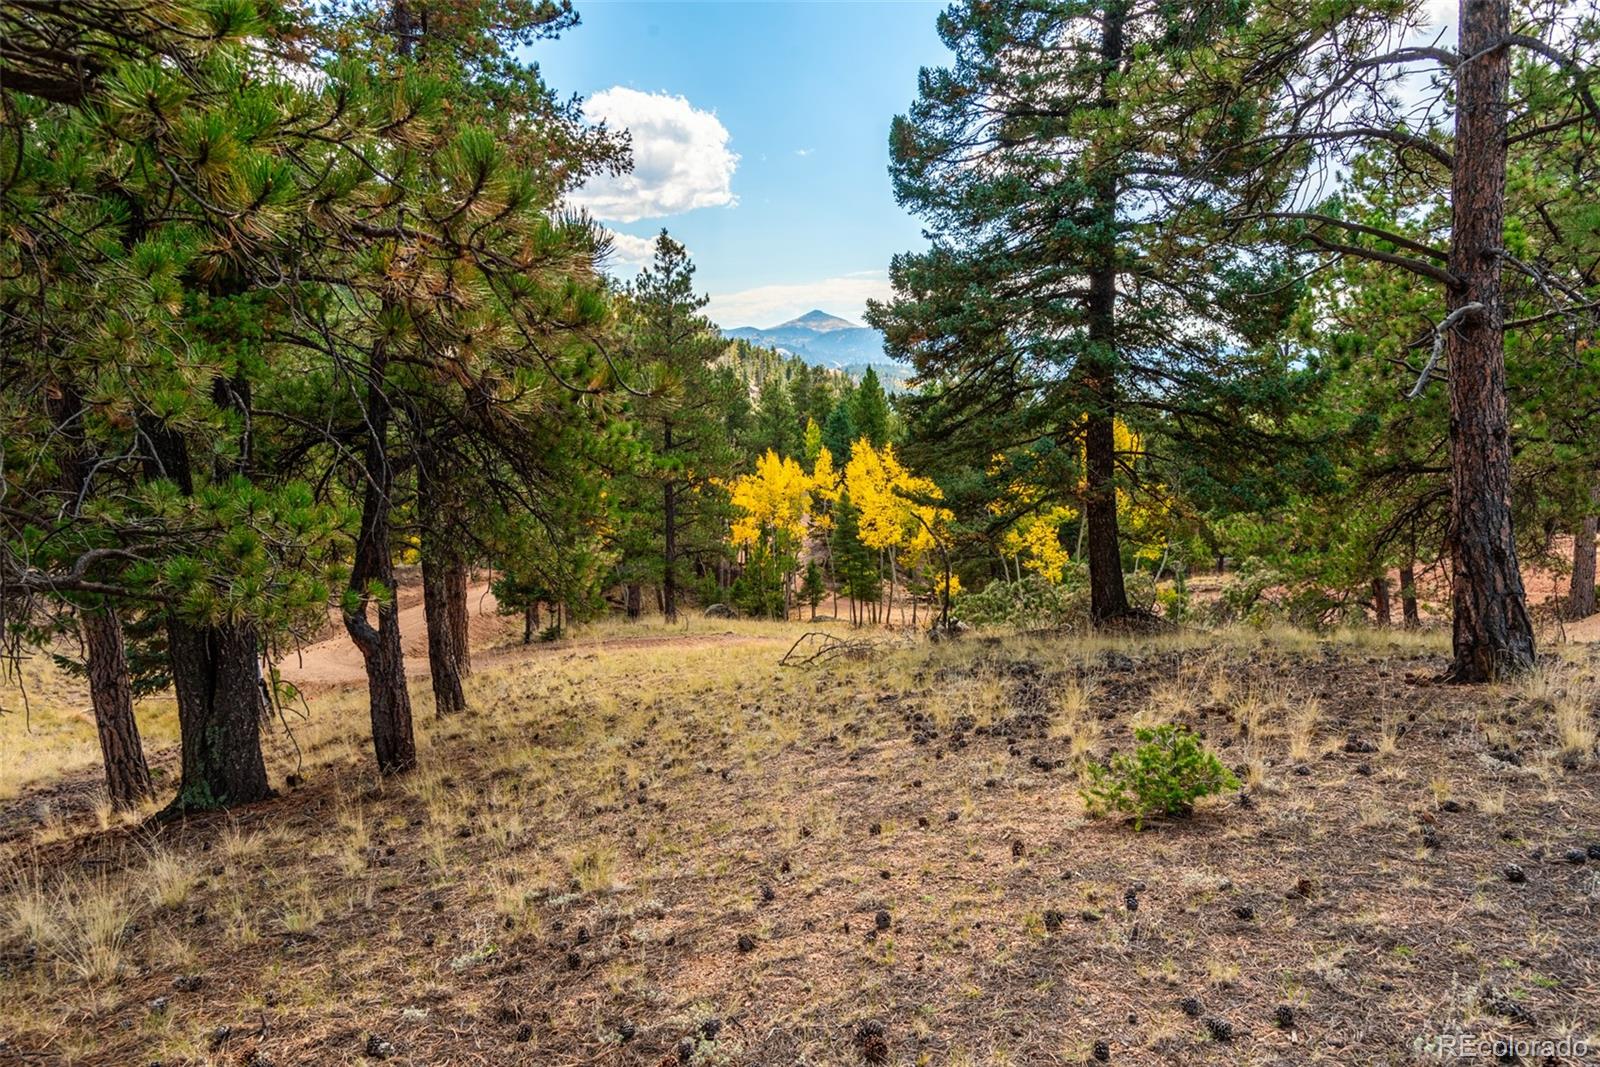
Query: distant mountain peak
x=819, y=320
x=825, y=340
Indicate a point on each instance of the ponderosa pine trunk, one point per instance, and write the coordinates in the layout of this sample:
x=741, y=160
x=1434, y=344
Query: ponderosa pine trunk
x=105, y=652
x=457, y=577
x=389, y=702
x=444, y=584
x=669, y=574
x=1381, y=612
x=633, y=601
x=1492, y=633
x=216, y=676
x=444, y=661
x=1108, y=598
x=106, y=662
x=1408, y=597
x=1581, y=595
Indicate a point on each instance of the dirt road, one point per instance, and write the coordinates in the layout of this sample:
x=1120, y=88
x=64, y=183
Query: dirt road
x=334, y=661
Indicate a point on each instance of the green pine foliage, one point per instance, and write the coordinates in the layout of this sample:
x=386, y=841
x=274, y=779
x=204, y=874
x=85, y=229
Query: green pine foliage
x=1169, y=770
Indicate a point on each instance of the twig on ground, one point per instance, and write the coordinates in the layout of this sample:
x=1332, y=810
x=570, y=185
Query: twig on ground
x=831, y=647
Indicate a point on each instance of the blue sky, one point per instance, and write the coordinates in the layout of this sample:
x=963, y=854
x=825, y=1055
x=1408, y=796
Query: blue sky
x=761, y=134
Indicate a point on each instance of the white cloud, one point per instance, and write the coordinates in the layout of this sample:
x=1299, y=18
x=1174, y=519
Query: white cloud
x=803, y=152
x=768, y=305
x=681, y=159
x=629, y=253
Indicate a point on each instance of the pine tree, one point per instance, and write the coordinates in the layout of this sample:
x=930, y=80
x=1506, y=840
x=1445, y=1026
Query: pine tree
x=855, y=565
x=683, y=420
x=1057, y=296
x=839, y=432
x=175, y=508
x=812, y=587
x=869, y=410
x=776, y=428
x=1287, y=89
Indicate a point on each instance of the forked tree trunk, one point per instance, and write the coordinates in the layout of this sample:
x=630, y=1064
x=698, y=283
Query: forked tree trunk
x=1108, y=599
x=1492, y=634
x=1581, y=596
x=1380, y=602
x=389, y=703
x=1408, y=597
x=217, y=679
x=106, y=659
x=444, y=584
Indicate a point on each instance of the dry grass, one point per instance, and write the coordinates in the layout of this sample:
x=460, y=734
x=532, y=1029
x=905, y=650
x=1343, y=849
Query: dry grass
x=168, y=877
x=80, y=923
x=577, y=862
x=47, y=728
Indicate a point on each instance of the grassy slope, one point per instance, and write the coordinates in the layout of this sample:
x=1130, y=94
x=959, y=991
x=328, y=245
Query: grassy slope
x=580, y=873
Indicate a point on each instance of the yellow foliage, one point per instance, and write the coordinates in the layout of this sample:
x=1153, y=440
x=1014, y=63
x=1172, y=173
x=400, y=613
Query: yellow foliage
x=886, y=494
x=825, y=488
x=773, y=500
x=1036, y=543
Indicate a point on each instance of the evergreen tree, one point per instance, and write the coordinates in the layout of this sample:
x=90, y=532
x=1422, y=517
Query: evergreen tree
x=683, y=422
x=839, y=433
x=1057, y=297
x=776, y=428
x=131, y=359
x=812, y=587
x=869, y=410
x=855, y=565
x=1284, y=90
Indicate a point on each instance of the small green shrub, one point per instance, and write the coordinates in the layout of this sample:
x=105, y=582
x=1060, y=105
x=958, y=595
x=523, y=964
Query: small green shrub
x=1166, y=774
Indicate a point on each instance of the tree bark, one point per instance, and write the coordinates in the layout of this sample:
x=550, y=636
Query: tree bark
x=1581, y=595
x=1492, y=634
x=1408, y=597
x=888, y=610
x=105, y=657
x=217, y=679
x=444, y=659
x=457, y=577
x=105, y=653
x=1108, y=598
x=669, y=574
x=1381, y=612
x=444, y=583
x=633, y=601
x=389, y=702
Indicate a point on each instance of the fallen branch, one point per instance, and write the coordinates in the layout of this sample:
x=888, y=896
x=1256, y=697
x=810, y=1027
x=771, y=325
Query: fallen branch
x=831, y=647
